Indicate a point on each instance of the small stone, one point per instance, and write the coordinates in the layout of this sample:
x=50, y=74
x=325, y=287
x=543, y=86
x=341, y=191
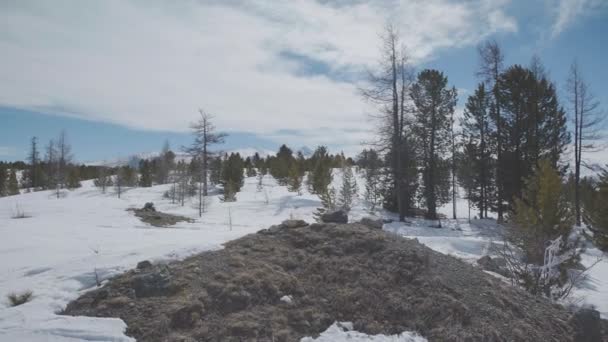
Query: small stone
x=287, y=299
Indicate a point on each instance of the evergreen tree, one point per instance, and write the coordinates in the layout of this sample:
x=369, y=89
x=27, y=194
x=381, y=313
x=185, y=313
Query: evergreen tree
x=541, y=216
x=294, y=181
x=434, y=107
x=348, y=189
x=145, y=170
x=371, y=166
x=479, y=136
x=215, y=170
x=73, y=179
x=328, y=203
x=320, y=177
x=595, y=209
x=542, y=213
x=279, y=165
x=232, y=176
x=533, y=127
x=13, y=184
x=3, y=180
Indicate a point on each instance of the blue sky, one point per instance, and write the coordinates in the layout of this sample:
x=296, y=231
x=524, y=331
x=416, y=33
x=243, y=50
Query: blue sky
x=123, y=77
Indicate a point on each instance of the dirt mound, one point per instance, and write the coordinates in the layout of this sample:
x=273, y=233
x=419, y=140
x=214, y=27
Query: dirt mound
x=295, y=280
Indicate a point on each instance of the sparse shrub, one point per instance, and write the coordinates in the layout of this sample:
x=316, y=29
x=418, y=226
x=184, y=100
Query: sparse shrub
x=15, y=299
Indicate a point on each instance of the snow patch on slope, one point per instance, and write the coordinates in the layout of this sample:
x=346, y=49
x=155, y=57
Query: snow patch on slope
x=343, y=332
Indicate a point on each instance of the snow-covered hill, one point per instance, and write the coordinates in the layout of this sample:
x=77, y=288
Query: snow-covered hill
x=57, y=251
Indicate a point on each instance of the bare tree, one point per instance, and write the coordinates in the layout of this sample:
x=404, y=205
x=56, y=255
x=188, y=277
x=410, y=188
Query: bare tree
x=490, y=68
x=389, y=88
x=64, y=158
x=205, y=136
x=588, y=122
x=34, y=159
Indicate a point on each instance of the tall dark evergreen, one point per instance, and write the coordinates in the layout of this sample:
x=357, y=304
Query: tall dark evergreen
x=145, y=171
x=534, y=127
x=479, y=144
x=33, y=174
x=232, y=176
x=435, y=104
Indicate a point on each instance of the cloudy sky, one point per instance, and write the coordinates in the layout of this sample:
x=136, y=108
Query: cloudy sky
x=123, y=76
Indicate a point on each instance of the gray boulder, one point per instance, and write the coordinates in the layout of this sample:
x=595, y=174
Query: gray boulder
x=587, y=325
x=496, y=265
x=338, y=216
x=293, y=224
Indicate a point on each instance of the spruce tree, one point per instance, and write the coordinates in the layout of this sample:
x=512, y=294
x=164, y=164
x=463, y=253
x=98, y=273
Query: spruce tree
x=13, y=184
x=232, y=176
x=348, y=189
x=370, y=164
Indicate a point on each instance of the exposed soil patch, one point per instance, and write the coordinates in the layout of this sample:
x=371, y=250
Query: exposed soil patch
x=291, y=281
x=157, y=218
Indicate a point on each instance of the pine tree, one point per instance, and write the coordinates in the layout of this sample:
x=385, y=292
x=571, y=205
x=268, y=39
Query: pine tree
x=294, y=182
x=541, y=214
x=541, y=229
x=328, y=203
x=434, y=107
x=13, y=184
x=479, y=136
x=3, y=180
x=145, y=179
x=232, y=176
x=279, y=165
x=348, y=189
x=33, y=174
x=320, y=177
x=595, y=209
x=73, y=179
x=370, y=164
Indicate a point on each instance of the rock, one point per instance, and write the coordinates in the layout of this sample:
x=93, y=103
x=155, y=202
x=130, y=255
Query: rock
x=155, y=283
x=496, y=265
x=587, y=325
x=142, y=265
x=294, y=224
x=149, y=206
x=338, y=216
x=186, y=317
x=372, y=222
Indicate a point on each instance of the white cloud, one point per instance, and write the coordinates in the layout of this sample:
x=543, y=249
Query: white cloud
x=566, y=12
x=152, y=64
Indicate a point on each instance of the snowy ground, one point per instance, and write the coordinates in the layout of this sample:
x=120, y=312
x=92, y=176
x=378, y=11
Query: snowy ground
x=56, y=252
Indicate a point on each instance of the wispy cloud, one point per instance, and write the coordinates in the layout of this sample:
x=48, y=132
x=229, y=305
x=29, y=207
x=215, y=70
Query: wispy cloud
x=567, y=12
x=259, y=66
